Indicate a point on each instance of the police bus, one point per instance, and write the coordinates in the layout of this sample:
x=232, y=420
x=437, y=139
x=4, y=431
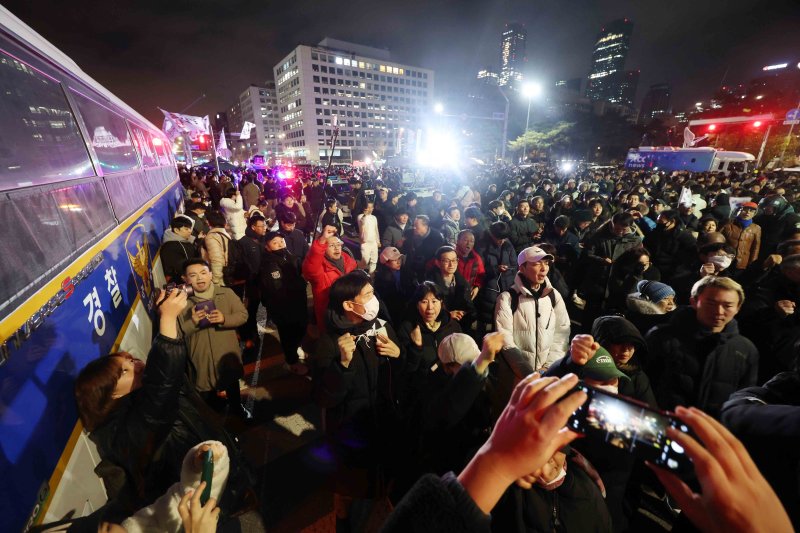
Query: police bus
x=87, y=188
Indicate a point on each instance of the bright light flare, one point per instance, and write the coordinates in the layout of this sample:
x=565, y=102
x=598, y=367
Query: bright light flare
x=567, y=166
x=532, y=90
x=712, y=127
x=757, y=124
x=438, y=108
x=440, y=149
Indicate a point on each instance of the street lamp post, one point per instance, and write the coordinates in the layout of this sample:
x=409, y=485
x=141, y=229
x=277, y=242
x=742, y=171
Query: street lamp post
x=505, y=126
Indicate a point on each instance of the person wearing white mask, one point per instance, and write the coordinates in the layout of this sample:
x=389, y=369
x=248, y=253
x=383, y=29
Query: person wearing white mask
x=354, y=364
x=713, y=259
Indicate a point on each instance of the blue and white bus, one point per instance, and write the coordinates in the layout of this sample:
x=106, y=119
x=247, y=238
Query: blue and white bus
x=87, y=188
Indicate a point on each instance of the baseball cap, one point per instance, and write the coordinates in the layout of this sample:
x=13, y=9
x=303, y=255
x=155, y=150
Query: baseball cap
x=458, y=348
x=390, y=253
x=532, y=254
x=601, y=367
x=751, y=205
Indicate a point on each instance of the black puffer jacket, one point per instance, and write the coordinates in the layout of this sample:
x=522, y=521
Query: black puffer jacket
x=693, y=367
x=421, y=359
x=767, y=419
x=283, y=288
x=151, y=429
x=603, y=244
x=496, y=281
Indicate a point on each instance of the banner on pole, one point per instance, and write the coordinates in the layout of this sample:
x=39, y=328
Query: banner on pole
x=222, y=146
x=686, y=197
x=176, y=124
x=246, y=130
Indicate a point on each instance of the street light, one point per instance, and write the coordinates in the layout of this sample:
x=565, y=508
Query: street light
x=438, y=108
x=530, y=91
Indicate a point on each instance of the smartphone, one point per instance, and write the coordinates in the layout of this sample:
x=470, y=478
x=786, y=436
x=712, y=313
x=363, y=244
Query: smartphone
x=208, y=473
x=631, y=425
x=207, y=306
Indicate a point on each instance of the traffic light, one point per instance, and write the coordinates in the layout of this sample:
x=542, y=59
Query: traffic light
x=202, y=142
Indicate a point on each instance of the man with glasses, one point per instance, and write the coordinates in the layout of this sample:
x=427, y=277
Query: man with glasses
x=744, y=235
x=457, y=298
x=324, y=264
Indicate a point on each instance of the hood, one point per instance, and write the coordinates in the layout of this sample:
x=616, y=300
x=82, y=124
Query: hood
x=339, y=324
x=610, y=329
x=171, y=236
x=644, y=307
x=520, y=287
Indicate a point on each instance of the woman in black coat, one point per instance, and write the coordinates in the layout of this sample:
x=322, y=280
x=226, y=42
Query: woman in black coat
x=145, y=417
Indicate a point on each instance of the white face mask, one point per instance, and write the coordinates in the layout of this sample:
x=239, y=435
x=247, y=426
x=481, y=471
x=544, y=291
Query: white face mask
x=722, y=261
x=557, y=481
x=613, y=389
x=370, y=309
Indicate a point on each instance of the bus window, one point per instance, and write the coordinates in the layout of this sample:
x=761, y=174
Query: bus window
x=85, y=213
x=721, y=165
x=41, y=142
x=109, y=135
x=144, y=145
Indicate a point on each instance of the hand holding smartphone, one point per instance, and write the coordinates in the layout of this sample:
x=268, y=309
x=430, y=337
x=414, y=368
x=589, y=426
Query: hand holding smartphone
x=631, y=425
x=207, y=306
x=207, y=475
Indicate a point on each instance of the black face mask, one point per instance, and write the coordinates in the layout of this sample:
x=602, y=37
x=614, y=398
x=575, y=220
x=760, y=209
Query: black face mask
x=639, y=269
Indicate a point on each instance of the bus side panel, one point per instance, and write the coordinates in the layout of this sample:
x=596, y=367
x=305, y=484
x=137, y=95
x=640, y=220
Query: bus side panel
x=669, y=161
x=37, y=406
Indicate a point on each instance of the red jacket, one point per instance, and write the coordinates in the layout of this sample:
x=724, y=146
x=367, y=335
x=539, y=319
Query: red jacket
x=321, y=274
x=472, y=269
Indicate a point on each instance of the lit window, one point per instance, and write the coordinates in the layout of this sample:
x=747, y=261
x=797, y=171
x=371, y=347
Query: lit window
x=383, y=68
x=339, y=61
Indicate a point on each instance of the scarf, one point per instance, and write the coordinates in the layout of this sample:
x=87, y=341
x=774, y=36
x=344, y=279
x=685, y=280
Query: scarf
x=338, y=263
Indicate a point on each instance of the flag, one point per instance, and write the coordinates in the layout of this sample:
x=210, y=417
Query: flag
x=246, y=130
x=176, y=124
x=222, y=146
x=686, y=197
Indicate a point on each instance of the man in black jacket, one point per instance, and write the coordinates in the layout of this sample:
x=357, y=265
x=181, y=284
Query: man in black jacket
x=699, y=358
x=456, y=290
x=177, y=246
x=252, y=245
x=420, y=246
x=670, y=245
x=296, y=241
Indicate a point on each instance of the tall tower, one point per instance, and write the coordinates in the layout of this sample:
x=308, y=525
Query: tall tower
x=512, y=55
x=656, y=102
x=608, y=61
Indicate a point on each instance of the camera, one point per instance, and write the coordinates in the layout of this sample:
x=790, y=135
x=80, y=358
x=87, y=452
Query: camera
x=185, y=287
x=631, y=425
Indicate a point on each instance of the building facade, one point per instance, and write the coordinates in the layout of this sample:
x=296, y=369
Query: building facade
x=377, y=104
x=656, y=103
x=607, y=78
x=512, y=55
x=258, y=105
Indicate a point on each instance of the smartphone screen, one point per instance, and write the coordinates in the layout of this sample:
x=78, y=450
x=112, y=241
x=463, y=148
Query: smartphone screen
x=207, y=475
x=630, y=425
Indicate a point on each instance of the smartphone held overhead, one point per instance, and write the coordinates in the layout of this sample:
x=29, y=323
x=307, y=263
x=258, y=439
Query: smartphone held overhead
x=630, y=425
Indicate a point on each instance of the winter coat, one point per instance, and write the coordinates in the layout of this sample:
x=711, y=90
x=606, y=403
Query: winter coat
x=437, y=504
x=522, y=230
x=670, y=249
x=214, y=348
x=394, y=288
x=472, y=269
x=250, y=194
x=283, y=289
x=603, y=244
x=162, y=515
x=495, y=282
x=234, y=215
x=148, y=433
x=200, y=224
x=421, y=359
x=360, y=400
x=537, y=327
x=393, y=235
x=644, y=314
x=175, y=250
x=576, y=506
x=252, y=248
x=746, y=241
x=690, y=366
x=456, y=298
x=419, y=251
x=321, y=273
x=449, y=230
x=296, y=243
x=215, y=248
x=767, y=420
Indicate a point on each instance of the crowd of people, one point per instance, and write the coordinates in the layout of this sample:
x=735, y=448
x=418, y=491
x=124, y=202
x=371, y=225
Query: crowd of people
x=439, y=327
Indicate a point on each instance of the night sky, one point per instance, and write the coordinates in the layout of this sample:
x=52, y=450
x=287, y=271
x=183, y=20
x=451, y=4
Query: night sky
x=167, y=53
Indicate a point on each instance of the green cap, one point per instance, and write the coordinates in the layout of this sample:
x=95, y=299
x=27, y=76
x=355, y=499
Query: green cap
x=601, y=367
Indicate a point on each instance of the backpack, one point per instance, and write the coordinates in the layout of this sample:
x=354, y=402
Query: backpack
x=235, y=270
x=515, y=299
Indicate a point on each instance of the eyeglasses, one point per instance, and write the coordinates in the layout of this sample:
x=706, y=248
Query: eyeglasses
x=449, y=261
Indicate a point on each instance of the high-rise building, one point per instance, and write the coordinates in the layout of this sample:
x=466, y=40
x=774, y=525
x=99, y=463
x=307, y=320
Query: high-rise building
x=488, y=76
x=625, y=88
x=608, y=61
x=572, y=85
x=377, y=103
x=512, y=55
x=257, y=105
x=656, y=102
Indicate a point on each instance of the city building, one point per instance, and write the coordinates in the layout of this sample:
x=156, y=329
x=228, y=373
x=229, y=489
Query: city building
x=625, y=89
x=573, y=85
x=656, y=103
x=607, y=78
x=377, y=103
x=512, y=55
x=257, y=105
x=488, y=76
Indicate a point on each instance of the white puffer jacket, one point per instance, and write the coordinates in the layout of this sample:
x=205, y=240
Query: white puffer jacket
x=537, y=328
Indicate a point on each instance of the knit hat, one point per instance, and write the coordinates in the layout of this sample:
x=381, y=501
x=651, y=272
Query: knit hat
x=654, y=291
x=272, y=235
x=458, y=348
x=600, y=367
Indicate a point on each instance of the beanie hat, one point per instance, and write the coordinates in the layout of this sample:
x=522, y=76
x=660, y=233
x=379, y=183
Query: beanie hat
x=458, y=348
x=601, y=367
x=654, y=290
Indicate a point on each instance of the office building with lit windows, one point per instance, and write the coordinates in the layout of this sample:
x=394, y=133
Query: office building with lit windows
x=378, y=103
x=656, y=103
x=258, y=105
x=512, y=55
x=487, y=76
x=607, y=79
